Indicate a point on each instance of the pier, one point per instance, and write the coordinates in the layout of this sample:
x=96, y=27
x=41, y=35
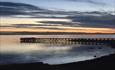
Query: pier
x=85, y=40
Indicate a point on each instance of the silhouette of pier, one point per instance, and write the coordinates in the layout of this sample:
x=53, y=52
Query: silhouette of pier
x=84, y=41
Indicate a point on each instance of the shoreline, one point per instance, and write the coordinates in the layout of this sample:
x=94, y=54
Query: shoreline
x=105, y=62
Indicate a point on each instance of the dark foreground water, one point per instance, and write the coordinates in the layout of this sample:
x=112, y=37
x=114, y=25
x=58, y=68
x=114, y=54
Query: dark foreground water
x=12, y=51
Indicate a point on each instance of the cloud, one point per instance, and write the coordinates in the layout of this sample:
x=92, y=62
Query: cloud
x=32, y=26
x=63, y=23
x=11, y=8
x=89, y=1
x=83, y=19
x=105, y=21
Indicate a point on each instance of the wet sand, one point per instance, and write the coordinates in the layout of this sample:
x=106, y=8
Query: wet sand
x=103, y=63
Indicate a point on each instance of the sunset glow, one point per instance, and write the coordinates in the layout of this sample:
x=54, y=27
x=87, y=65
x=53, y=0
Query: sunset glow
x=9, y=21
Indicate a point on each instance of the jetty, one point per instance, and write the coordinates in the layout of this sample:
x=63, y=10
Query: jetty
x=71, y=39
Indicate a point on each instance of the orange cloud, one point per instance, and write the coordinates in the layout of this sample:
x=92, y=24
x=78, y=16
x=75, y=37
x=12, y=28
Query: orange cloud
x=77, y=29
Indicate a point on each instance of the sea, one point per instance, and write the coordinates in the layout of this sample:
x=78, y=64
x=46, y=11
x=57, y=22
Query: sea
x=12, y=51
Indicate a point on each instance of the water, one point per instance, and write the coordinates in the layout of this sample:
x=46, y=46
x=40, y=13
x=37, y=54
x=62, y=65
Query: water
x=12, y=51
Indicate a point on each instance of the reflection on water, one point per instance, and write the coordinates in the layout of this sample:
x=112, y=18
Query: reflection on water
x=12, y=51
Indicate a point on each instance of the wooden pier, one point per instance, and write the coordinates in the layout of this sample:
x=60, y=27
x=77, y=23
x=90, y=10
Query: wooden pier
x=85, y=41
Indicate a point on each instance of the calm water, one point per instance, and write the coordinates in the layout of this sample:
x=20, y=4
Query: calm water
x=12, y=51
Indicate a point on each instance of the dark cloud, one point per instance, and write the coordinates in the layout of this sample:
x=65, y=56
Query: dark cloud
x=5, y=11
x=21, y=6
x=11, y=8
x=88, y=19
x=107, y=21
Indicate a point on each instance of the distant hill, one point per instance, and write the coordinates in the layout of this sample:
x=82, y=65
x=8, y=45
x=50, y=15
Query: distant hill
x=47, y=33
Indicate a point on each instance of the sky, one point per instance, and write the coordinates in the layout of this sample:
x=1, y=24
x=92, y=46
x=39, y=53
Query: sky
x=88, y=16
x=72, y=5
